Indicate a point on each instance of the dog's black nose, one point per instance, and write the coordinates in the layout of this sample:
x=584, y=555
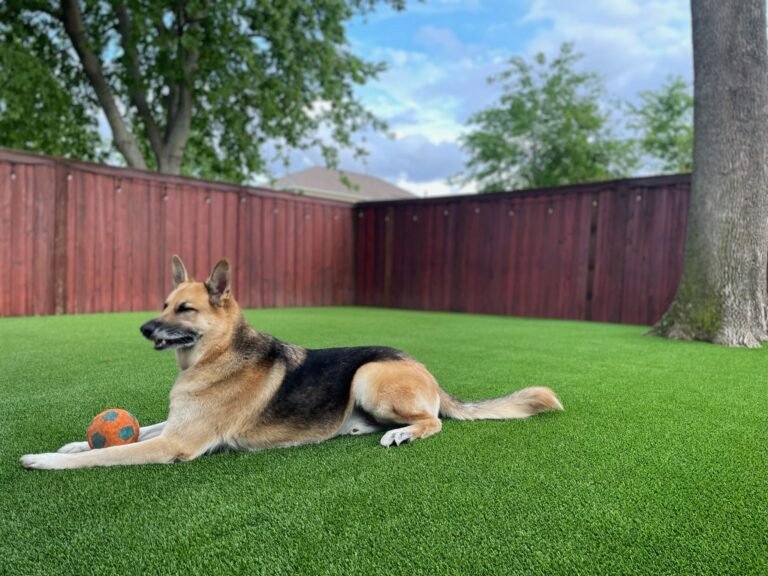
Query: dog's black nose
x=148, y=328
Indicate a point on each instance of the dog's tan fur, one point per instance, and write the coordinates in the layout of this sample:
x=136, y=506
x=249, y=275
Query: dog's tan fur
x=237, y=388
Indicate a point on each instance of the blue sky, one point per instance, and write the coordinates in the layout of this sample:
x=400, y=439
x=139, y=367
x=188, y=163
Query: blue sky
x=440, y=52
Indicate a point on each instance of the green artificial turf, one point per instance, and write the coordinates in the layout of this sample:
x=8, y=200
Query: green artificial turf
x=659, y=464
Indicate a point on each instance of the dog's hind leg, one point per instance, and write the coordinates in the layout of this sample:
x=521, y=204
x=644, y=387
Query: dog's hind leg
x=399, y=392
x=423, y=427
x=145, y=433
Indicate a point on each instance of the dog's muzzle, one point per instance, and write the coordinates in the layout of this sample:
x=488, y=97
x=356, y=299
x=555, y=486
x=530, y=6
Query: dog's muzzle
x=167, y=336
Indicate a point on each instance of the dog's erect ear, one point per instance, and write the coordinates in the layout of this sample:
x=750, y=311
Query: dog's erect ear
x=178, y=271
x=218, y=284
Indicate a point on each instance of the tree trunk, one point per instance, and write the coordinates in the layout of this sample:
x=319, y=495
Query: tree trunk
x=722, y=295
x=169, y=164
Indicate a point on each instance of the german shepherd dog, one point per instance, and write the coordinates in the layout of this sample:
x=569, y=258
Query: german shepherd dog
x=246, y=390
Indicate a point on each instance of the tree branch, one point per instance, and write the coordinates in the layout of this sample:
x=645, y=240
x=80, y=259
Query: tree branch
x=172, y=106
x=175, y=91
x=181, y=98
x=137, y=95
x=123, y=138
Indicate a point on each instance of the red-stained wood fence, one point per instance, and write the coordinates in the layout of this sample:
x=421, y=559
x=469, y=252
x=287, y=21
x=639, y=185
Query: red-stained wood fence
x=610, y=251
x=79, y=238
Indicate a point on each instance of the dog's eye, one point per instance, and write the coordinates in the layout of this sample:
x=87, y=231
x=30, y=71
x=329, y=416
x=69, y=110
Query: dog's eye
x=184, y=307
x=165, y=305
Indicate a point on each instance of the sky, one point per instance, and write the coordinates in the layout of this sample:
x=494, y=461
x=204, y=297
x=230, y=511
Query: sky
x=439, y=54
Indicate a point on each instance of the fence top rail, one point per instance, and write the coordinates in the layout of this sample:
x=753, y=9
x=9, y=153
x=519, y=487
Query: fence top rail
x=648, y=182
x=27, y=158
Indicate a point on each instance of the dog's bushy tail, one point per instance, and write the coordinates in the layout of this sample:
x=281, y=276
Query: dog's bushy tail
x=520, y=404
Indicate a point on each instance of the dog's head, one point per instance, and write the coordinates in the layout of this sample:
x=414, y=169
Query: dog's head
x=195, y=314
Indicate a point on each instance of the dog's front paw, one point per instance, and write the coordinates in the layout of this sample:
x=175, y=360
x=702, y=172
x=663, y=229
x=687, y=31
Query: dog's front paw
x=74, y=448
x=49, y=461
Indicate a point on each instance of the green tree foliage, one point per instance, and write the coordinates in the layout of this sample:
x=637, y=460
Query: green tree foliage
x=190, y=86
x=550, y=127
x=664, y=120
x=38, y=112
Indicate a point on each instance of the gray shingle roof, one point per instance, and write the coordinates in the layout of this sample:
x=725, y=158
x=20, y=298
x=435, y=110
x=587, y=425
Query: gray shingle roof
x=326, y=182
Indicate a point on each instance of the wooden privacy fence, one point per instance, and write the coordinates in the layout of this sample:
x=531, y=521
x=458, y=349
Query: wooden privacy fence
x=77, y=237
x=610, y=251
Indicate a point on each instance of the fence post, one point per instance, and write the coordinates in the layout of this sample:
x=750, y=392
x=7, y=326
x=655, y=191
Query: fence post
x=591, y=254
x=60, y=234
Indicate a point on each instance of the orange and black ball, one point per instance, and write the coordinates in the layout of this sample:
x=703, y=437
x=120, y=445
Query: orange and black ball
x=113, y=427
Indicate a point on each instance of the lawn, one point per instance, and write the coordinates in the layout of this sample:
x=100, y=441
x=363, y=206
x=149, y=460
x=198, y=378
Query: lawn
x=658, y=465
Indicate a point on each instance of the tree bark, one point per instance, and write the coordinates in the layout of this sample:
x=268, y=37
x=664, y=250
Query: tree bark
x=722, y=294
x=138, y=96
x=124, y=139
x=170, y=158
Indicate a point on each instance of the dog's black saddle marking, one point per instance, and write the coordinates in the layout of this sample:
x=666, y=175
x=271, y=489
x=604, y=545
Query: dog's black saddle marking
x=318, y=389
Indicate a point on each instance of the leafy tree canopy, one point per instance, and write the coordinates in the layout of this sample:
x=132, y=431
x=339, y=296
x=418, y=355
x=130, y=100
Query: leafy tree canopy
x=664, y=120
x=549, y=127
x=37, y=110
x=190, y=86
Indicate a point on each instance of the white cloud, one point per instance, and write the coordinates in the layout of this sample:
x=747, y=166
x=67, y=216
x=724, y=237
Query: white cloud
x=430, y=188
x=413, y=158
x=436, y=76
x=429, y=7
x=627, y=13
x=431, y=94
x=633, y=44
x=399, y=95
x=442, y=40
